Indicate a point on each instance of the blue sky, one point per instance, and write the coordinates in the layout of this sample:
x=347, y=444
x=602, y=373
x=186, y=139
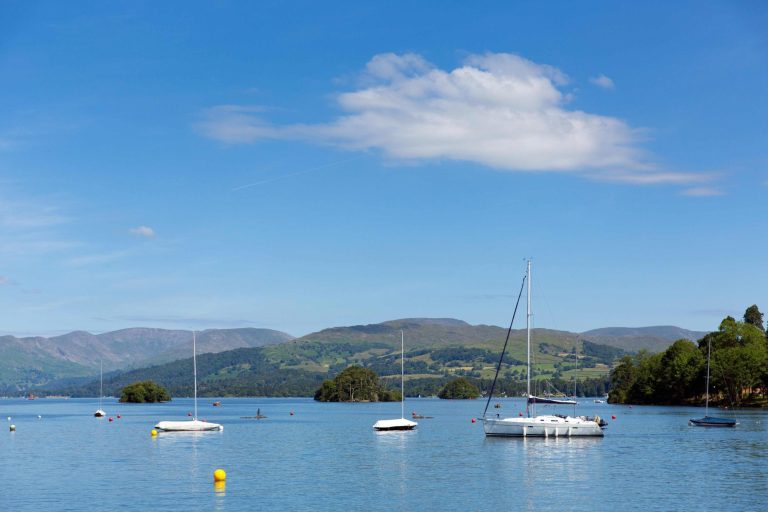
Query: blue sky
x=300, y=165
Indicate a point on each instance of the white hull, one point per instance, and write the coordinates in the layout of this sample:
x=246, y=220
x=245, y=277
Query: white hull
x=542, y=426
x=188, y=426
x=99, y=413
x=398, y=424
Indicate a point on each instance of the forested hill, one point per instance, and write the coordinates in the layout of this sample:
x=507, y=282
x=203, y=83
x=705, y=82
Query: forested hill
x=436, y=350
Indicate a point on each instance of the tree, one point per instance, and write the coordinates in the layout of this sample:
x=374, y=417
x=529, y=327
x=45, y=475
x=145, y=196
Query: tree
x=682, y=365
x=144, y=392
x=459, y=388
x=753, y=316
x=355, y=384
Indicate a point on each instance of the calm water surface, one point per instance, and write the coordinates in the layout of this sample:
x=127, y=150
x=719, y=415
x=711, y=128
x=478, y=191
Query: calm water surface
x=327, y=457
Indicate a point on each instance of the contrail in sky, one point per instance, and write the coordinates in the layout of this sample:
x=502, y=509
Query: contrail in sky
x=305, y=171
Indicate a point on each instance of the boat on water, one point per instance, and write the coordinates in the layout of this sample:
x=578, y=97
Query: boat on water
x=193, y=425
x=531, y=425
x=399, y=423
x=100, y=412
x=707, y=420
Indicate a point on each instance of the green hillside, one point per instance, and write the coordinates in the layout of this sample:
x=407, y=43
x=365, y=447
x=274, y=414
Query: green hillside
x=436, y=351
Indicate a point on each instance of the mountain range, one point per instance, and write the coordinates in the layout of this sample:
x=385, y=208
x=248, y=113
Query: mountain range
x=436, y=347
x=34, y=361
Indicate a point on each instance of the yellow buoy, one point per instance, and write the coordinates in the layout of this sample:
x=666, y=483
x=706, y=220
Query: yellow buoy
x=219, y=475
x=153, y=433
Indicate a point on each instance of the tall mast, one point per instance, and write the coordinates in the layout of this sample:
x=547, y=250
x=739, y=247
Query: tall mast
x=528, y=330
x=402, y=375
x=709, y=349
x=101, y=381
x=194, y=369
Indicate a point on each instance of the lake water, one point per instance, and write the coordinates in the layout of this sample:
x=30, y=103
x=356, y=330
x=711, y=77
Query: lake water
x=327, y=457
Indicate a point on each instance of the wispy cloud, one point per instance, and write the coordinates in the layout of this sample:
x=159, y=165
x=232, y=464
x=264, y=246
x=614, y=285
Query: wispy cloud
x=603, y=81
x=94, y=259
x=702, y=192
x=497, y=110
x=4, y=281
x=142, y=231
x=29, y=214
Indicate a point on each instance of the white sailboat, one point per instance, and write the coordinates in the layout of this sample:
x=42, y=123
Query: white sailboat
x=400, y=423
x=707, y=420
x=100, y=412
x=550, y=425
x=193, y=425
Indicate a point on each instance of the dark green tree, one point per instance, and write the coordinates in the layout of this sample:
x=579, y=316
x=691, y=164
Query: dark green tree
x=753, y=316
x=144, y=392
x=681, y=369
x=355, y=384
x=459, y=388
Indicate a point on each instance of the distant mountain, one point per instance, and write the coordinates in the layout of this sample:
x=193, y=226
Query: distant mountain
x=436, y=348
x=633, y=339
x=34, y=361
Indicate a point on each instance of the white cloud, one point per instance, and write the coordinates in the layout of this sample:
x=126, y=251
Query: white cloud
x=702, y=192
x=143, y=231
x=497, y=110
x=603, y=81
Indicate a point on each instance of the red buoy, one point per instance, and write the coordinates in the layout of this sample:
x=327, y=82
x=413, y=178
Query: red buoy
x=520, y=414
x=474, y=420
x=613, y=416
x=110, y=419
x=118, y=416
x=291, y=413
x=189, y=414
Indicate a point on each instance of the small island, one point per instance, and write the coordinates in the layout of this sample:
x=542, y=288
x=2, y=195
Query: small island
x=355, y=384
x=459, y=389
x=144, y=392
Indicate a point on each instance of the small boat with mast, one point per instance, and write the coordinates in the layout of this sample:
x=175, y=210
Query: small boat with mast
x=193, y=425
x=100, y=412
x=400, y=423
x=707, y=420
x=550, y=425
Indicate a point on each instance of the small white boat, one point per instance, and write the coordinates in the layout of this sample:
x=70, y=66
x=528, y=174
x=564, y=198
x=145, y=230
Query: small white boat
x=193, y=425
x=187, y=426
x=100, y=412
x=598, y=401
x=400, y=423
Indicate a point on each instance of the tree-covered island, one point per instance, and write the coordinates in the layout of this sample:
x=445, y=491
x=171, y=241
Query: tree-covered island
x=144, y=392
x=459, y=389
x=677, y=376
x=355, y=384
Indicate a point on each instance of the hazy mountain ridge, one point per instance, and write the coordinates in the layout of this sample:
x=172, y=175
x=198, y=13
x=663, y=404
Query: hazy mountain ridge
x=430, y=343
x=653, y=338
x=37, y=360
